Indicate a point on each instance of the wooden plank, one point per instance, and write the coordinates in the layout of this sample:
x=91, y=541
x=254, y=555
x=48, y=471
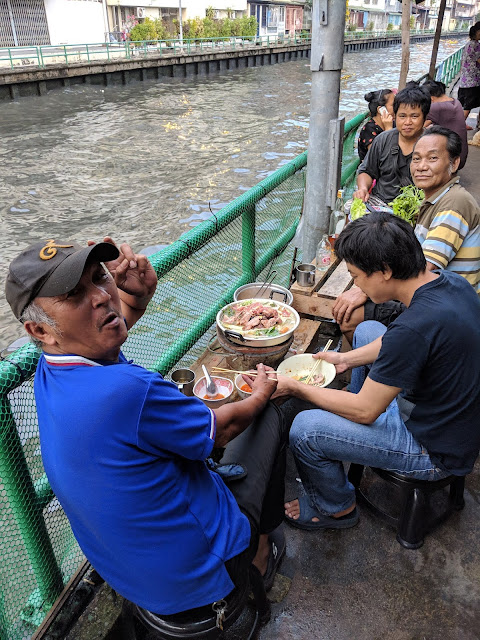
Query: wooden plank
x=313, y=306
x=337, y=283
x=304, y=334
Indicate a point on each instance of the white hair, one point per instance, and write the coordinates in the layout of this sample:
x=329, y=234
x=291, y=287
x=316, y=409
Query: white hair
x=33, y=312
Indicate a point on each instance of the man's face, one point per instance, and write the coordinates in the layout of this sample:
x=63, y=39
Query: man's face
x=431, y=166
x=409, y=121
x=89, y=318
x=376, y=286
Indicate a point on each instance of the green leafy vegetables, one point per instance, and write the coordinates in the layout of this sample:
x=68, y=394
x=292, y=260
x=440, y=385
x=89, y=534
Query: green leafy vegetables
x=358, y=209
x=407, y=203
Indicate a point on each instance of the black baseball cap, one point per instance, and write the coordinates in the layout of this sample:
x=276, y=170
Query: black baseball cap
x=50, y=268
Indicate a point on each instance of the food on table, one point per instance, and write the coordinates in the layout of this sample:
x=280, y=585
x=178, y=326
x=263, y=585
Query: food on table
x=246, y=388
x=217, y=396
x=258, y=319
x=317, y=380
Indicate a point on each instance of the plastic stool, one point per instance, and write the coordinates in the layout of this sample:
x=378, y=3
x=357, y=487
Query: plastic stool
x=202, y=624
x=415, y=520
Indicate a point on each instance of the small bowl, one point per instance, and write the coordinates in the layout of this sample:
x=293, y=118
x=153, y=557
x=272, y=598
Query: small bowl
x=224, y=386
x=302, y=365
x=239, y=383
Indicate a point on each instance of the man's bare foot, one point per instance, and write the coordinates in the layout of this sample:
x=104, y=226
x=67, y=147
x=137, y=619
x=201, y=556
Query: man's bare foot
x=292, y=510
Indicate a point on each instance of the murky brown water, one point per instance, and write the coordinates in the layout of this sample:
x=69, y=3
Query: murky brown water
x=142, y=162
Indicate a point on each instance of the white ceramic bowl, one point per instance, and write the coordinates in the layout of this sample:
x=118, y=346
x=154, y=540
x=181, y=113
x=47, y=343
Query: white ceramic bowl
x=240, y=382
x=224, y=386
x=302, y=364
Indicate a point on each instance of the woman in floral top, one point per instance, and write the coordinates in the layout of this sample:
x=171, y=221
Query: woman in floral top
x=379, y=121
x=469, y=87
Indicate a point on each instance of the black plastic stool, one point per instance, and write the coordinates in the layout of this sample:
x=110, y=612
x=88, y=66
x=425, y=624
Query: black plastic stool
x=201, y=624
x=415, y=521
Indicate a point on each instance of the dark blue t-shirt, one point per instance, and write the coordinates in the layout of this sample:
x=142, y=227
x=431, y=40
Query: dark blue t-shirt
x=432, y=352
x=124, y=453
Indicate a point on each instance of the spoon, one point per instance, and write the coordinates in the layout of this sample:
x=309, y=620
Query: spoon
x=211, y=387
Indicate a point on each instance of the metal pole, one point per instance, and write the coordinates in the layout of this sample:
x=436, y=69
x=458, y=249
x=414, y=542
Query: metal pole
x=328, y=27
x=436, y=40
x=406, y=11
x=180, y=23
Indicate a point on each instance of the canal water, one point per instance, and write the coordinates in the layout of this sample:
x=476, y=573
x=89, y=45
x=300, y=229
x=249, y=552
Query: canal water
x=146, y=162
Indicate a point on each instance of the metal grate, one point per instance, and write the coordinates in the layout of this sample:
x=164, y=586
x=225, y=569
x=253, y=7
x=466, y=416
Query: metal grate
x=23, y=23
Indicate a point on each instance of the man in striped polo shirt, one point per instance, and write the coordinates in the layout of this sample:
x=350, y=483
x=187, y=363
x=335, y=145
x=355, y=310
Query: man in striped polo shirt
x=448, y=227
x=448, y=224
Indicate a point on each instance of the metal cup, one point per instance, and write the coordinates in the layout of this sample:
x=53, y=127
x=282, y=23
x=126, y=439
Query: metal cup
x=305, y=275
x=184, y=379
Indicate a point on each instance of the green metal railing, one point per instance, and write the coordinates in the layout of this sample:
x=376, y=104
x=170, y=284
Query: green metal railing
x=68, y=54
x=197, y=275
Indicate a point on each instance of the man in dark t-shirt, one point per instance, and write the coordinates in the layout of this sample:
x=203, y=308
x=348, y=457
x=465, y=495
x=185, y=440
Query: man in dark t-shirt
x=388, y=159
x=416, y=385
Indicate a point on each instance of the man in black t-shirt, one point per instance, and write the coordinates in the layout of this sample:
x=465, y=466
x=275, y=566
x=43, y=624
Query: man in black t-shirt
x=416, y=385
x=388, y=159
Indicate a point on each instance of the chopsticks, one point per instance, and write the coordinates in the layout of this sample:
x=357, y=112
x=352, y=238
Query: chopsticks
x=248, y=373
x=317, y=363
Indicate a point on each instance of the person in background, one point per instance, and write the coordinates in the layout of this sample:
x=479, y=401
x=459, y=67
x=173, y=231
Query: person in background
x=388, y=159
x=381, y=119
x=447, y=227
x=469, y=86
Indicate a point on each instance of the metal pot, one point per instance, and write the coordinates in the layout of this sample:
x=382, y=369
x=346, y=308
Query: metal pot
x=253, y=341
x=272, y=291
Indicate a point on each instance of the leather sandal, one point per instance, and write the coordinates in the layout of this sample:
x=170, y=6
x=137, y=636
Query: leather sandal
x=278, y=546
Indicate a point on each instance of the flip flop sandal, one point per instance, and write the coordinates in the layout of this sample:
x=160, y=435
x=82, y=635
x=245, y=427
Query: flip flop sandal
x=307, y=512
x=278, y=546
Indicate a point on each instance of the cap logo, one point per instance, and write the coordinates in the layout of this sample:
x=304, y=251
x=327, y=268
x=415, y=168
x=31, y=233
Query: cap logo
x=50, y=249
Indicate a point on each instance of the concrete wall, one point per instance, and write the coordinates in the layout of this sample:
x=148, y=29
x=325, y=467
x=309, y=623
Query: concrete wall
x=75, y=21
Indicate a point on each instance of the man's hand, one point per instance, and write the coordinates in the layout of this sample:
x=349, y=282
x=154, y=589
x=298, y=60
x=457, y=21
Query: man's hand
x=262, y=384
x=346, y=303
x=361, y=193
x=133, y=274
x=338, y=359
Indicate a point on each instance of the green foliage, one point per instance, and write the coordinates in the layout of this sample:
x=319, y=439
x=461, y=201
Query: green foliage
x=195, y=28
x=358, y=209
x=351, y=27
x=210, y=12
x=407, y=203
x=413, y=20
x=370, y=26
x=390, y=26
x=144, y=31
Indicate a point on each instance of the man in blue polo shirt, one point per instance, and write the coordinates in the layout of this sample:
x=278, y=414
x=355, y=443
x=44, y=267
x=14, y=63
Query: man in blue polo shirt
x=124, y=450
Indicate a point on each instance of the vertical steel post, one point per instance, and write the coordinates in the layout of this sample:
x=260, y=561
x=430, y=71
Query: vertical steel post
x=23, y=502
x=248, y=242
x=328, y=27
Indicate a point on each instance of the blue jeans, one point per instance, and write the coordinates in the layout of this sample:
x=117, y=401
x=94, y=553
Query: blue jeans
x=321, y=441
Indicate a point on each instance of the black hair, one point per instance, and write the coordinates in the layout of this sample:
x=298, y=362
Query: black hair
x=378, y=241
x=377, y=99
x=473, y=30
x=414, y=97
x=434, y=88
x=454, y=142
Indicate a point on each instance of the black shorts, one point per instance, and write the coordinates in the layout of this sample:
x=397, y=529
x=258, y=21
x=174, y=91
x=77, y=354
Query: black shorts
x=469, y=97
x=386, y=312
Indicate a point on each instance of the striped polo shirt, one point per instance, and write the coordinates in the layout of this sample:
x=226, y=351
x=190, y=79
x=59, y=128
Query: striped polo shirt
x=448, y=228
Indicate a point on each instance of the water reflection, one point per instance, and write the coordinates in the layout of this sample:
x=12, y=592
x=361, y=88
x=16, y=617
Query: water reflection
x=143, y=162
